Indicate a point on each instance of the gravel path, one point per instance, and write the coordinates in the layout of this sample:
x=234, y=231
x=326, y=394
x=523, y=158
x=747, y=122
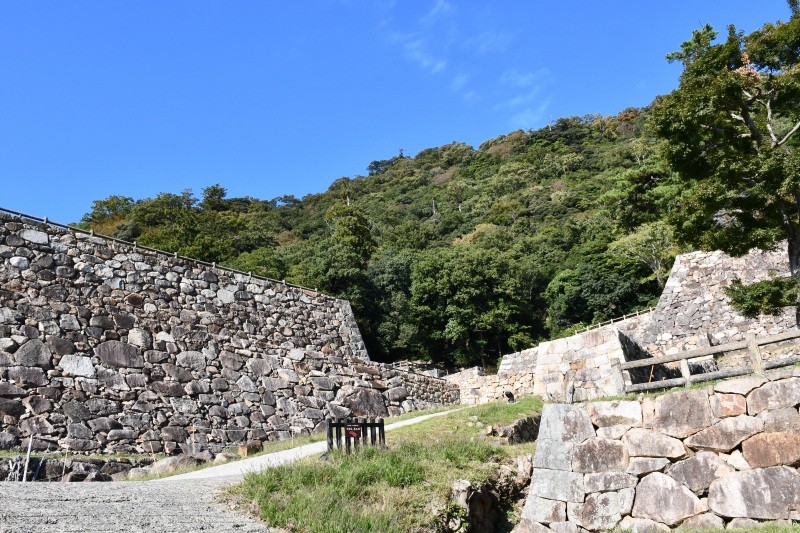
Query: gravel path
x=180, y=504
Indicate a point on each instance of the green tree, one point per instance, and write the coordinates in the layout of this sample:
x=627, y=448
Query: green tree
x=731, y=128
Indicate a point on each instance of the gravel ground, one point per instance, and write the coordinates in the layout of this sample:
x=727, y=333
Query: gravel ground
x=180, y=504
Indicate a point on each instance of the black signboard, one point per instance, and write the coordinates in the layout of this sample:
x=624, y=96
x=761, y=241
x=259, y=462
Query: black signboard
x=353, y=430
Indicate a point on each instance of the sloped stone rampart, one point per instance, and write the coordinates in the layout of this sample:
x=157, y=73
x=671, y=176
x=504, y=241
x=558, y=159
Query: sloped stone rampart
x=108, y=347
x=667, y=462
x=693, y=312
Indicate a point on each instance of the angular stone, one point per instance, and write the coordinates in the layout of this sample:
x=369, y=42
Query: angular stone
x=543, y=511
x=12, y=408
x=649, y=443
x=703, y=521
x=744, y=523
x=34, y=353
x=616, y=413
x=231, y=360
x=644, y=465
x=774, y=395
x=783, y=419
x=366, y=402
x=626, y=497
x=600, y=511
x=141, y=338
x=76, y=411
x=27, y=375
x=190, y=359
x=119, y=354
x=608, y=481
x=662, y=499
x=772, y=449
x=77, y=365
x=597, y=454
x=699, y=471
x=562, y=527
x=736, y=460
x=764, y=493
x=34, y=236
x=296, y=354
x=246, y=384
x=612, y=432
x=724, y=405
x=322, y=383
x=36, y=426
x=681, y=414
x=642, y=525
x=397, y=394
x=565, y=423
x=529, y=526
x=739, y=386
x=724, y=436
x=37, y=405
x=557, y=485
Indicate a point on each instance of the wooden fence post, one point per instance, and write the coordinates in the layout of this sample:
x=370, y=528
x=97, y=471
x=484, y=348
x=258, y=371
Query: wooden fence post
x=755, y=355
x=685, y=371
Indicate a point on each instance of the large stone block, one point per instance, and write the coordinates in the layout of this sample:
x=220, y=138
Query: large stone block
x=772, y=449
x=77, y=365
x=616, y=413
x=699, y=471
x=608, y=481
x=774, y=395
x=681, y=414
x=600, y=511
x=543, y=511
x=34, y=353
x=119, y=354
x=662, y=499
x=724, y=436
x=649, y=443
x=597, y=454
x=557, y=485
x=565, y=423
x=724, y=405
x=763, y=493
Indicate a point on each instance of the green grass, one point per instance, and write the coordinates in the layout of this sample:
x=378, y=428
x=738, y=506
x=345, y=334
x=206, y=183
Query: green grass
x=400, y=488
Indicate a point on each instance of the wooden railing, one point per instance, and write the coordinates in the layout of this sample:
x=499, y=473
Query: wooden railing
x=753, y=345
x=355, y=432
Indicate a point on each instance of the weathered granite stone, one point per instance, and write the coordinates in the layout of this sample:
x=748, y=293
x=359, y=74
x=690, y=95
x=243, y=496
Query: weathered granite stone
x=12, y=408
x=699, y=471
x=191, y=359
x=366, y=402
x=557, y=485
x=612, y=432
x=662, y=499
x=736, y=460
x=648, y=443
x=764, y=493
x=30, y=376
x=77, y=365
x=563, y=527
x=774, y=395
x=119, y=354
x=600, y=511
x=642, y=525
x=724, y=405
x=608, y=481
x=322, y=383
x=543, y=511
x=782, y=419
x=615, y=413
x=682, y=414
x=34, y=353
x=597, y=454
x=744, y=523
x=727, y=434
x=739, y=386
x=703, y=521
x=397, y=394
x=565, y=423
x=644, y=465
x=529, y=526
x=772, y=449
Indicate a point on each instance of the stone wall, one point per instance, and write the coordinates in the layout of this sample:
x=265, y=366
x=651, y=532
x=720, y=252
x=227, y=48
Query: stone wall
x=108, y=347
x=693, y=312
x=724, y=456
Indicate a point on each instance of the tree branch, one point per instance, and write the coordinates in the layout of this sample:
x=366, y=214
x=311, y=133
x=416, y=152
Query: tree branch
x=788, y=135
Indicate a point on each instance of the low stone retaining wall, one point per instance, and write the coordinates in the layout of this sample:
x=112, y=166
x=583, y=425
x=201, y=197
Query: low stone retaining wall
x=722, y=456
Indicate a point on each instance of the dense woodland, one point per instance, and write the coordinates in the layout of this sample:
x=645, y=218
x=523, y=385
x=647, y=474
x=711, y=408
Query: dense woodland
x=455, y=255
x=458, y=255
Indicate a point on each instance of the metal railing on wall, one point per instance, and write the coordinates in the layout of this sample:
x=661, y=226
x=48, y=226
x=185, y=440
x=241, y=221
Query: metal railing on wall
x=138, y=247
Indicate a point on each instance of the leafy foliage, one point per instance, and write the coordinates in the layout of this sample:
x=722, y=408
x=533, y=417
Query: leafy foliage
x=763, y=297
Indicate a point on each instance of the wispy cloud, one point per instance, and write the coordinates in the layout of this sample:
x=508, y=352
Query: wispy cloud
x=517, y=78
x=530, y=117
x=459, y=82
x=440, y=9
x=490, y=41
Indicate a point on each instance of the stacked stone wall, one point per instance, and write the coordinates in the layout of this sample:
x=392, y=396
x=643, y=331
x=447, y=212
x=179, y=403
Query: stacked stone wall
x=108, y=347
x=723, y=456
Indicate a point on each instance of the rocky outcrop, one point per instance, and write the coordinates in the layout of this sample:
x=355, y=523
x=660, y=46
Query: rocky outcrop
x=108, y=347
x=674, y=461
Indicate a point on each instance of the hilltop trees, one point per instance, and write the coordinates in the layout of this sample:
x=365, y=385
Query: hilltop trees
x=732, y=135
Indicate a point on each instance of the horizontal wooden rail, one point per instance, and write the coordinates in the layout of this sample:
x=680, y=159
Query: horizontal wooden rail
x=709, y=350
x=757, y=365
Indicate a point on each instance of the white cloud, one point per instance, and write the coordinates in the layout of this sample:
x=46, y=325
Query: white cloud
x=440, y=10
x=515, y=78
x=459, y=82
x=490, y=41
x=530, y=117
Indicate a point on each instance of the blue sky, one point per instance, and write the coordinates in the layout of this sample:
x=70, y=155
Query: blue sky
x=272, y=98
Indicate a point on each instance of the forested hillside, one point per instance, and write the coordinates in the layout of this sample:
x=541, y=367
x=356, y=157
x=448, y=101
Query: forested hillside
x=457, y=254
